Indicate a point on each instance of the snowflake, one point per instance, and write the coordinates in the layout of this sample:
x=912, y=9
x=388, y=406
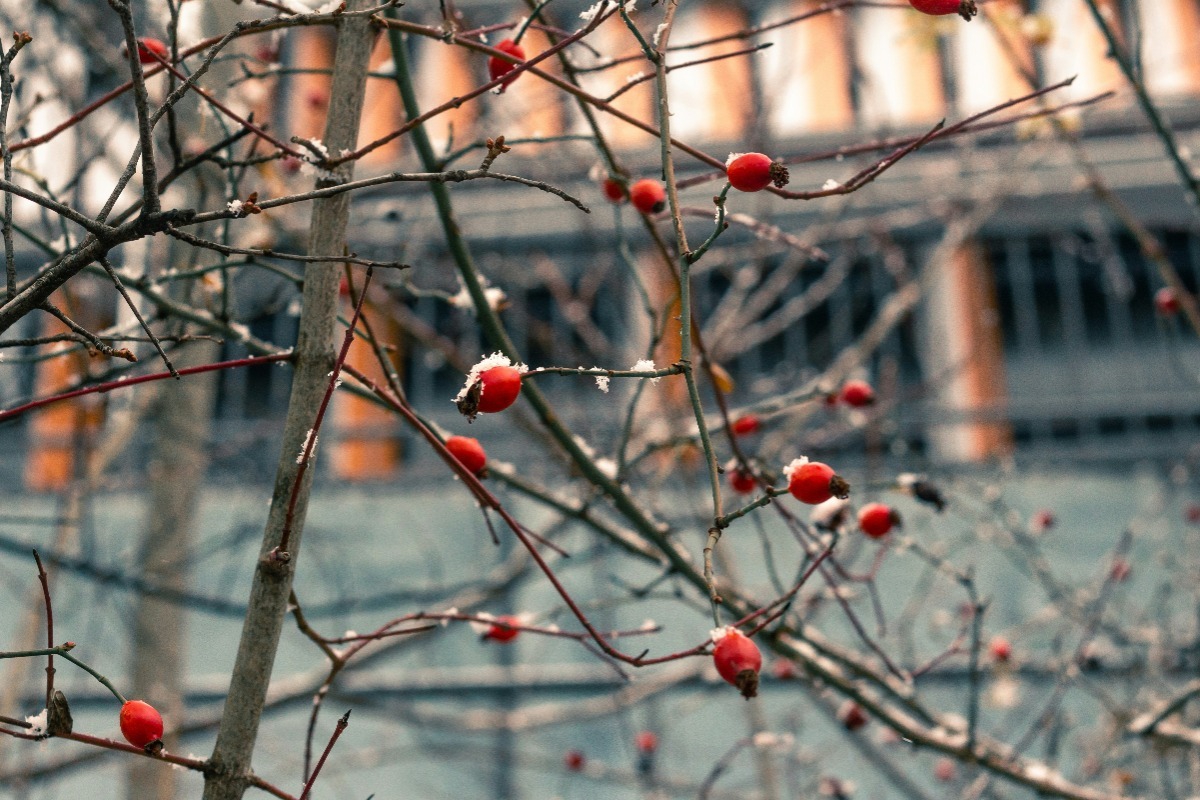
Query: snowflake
x=830, y=185
x=235, y=207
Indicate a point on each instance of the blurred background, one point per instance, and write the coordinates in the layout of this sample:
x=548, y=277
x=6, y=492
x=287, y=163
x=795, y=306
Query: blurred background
x=1033, y=372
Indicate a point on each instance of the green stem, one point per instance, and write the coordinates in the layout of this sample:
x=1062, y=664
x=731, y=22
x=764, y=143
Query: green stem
x=1156, y=119
x=496, y=335
x=65, y=653
x=685, y=289
x=699, y=252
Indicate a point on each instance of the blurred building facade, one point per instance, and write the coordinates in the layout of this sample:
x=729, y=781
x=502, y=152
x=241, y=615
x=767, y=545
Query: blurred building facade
x=1037, y=337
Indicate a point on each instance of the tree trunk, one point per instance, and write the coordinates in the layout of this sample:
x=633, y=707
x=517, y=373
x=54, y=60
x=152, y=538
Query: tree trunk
x=314, y=358
x=181, y=422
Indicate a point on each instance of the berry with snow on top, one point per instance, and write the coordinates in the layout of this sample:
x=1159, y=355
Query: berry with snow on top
x=813, y=482
x=738, y=661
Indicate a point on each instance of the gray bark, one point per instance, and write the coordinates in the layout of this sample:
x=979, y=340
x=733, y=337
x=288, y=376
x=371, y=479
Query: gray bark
x=314, y=358
x=182, y=423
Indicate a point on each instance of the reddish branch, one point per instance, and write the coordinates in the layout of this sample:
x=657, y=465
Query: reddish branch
x=43, y=579
x=337, y=732
x=281, y=550
x=123, y=382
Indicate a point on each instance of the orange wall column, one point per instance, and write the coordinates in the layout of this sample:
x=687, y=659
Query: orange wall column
x=366, y=446
x=54, y=430
x=965, y=349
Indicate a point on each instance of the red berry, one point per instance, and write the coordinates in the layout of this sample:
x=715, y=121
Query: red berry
x=1166, y=302
x=1042, y=521
x=141, y=725
x=964, y=8
x=852, y=716
x=574, y=760
x=502, y=631
x=316, y=98
x=857, y=394
x=1120, y=571
x=738, y=661
x=876, y=519
x=468, y=451
x=613, y=190
x=753, y=172
x=1192, y=513
x=645, y=742
x=743, y=482
x=500, y=386
x=648, y=196
x=944, y=770
x=783, y=670
x=746, y=425
x=149, y=47
x=498, y=67
x=813, y=482
x=1000, y=649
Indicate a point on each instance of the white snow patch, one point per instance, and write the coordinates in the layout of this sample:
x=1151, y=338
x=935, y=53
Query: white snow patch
x=646, y=365
x=590, y=14
x=38, y=722
x=796, y=464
